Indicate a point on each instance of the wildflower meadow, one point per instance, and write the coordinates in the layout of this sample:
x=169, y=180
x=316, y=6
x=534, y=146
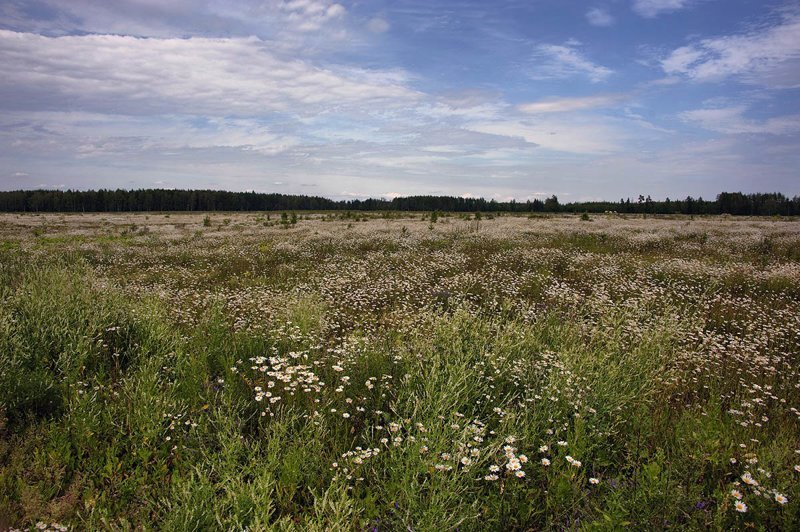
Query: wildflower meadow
x=399, y=371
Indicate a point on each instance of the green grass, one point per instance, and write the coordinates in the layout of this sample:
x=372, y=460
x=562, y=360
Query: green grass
x=118, y=413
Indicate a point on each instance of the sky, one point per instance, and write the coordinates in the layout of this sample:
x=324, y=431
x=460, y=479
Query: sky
x=498, y=99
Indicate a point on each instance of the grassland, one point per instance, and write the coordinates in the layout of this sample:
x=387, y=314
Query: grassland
x=387, y=372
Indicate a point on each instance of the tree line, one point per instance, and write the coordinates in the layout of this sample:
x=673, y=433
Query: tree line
x=736, y=203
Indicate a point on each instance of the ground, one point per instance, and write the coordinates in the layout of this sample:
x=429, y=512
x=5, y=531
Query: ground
x=398, y=371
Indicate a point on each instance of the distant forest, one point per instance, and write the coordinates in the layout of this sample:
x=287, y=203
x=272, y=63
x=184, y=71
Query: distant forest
x=735, y=203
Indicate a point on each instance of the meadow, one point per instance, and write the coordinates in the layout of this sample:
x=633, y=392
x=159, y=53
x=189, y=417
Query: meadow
x=398, y=371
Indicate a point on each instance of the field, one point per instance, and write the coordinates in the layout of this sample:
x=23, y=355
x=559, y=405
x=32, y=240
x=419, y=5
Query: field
x=352, y=371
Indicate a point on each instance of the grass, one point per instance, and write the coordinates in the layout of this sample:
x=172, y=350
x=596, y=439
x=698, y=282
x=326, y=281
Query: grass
x=325, y=378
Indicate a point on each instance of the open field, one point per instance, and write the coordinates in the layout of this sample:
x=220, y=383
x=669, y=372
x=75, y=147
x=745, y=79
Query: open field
x=193, y=371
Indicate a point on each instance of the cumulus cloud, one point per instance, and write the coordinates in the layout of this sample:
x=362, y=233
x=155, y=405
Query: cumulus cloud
x=561, y=105
x=731, y=120
x=769, y=56
x=599, y=17
x=563, y=61
x=653, y=8
x=193, y=76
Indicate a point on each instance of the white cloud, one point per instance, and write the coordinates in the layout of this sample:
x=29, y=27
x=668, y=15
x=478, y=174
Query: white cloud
x=681, y=59
x=378, y=25
x=243, y=134
x=444, y=149
x=577, y=136
x=731, y=120
x=311, y=15
x=653, y=8
x=769, y=56
x=599, y=17
x=213, y=76
x=309, y=27
x=561, y=105
x=564, y=61
x=86, y=135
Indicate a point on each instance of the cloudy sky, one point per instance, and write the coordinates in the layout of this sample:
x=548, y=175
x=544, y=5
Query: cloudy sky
x=505, y=98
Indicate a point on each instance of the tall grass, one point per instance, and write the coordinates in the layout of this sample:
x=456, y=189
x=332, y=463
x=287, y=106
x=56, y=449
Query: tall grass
x=116, y=416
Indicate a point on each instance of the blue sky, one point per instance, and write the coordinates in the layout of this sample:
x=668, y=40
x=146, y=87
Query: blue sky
x=503, y=99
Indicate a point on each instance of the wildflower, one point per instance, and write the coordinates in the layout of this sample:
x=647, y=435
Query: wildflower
x=562, y=443
x=736, y=494
x=594, y=481
x=781, y=499
x=523, y=459
x=797, y=468
x=544, y=449
x=520, y=474
x=573, y=462
x=545, y=462
x=740, y=507
x=749, y=480
x=345, y=415
x=423, y=449
x=494, y=468
x=491, y=477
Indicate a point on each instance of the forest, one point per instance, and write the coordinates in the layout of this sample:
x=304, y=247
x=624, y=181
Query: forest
x=734, y=203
